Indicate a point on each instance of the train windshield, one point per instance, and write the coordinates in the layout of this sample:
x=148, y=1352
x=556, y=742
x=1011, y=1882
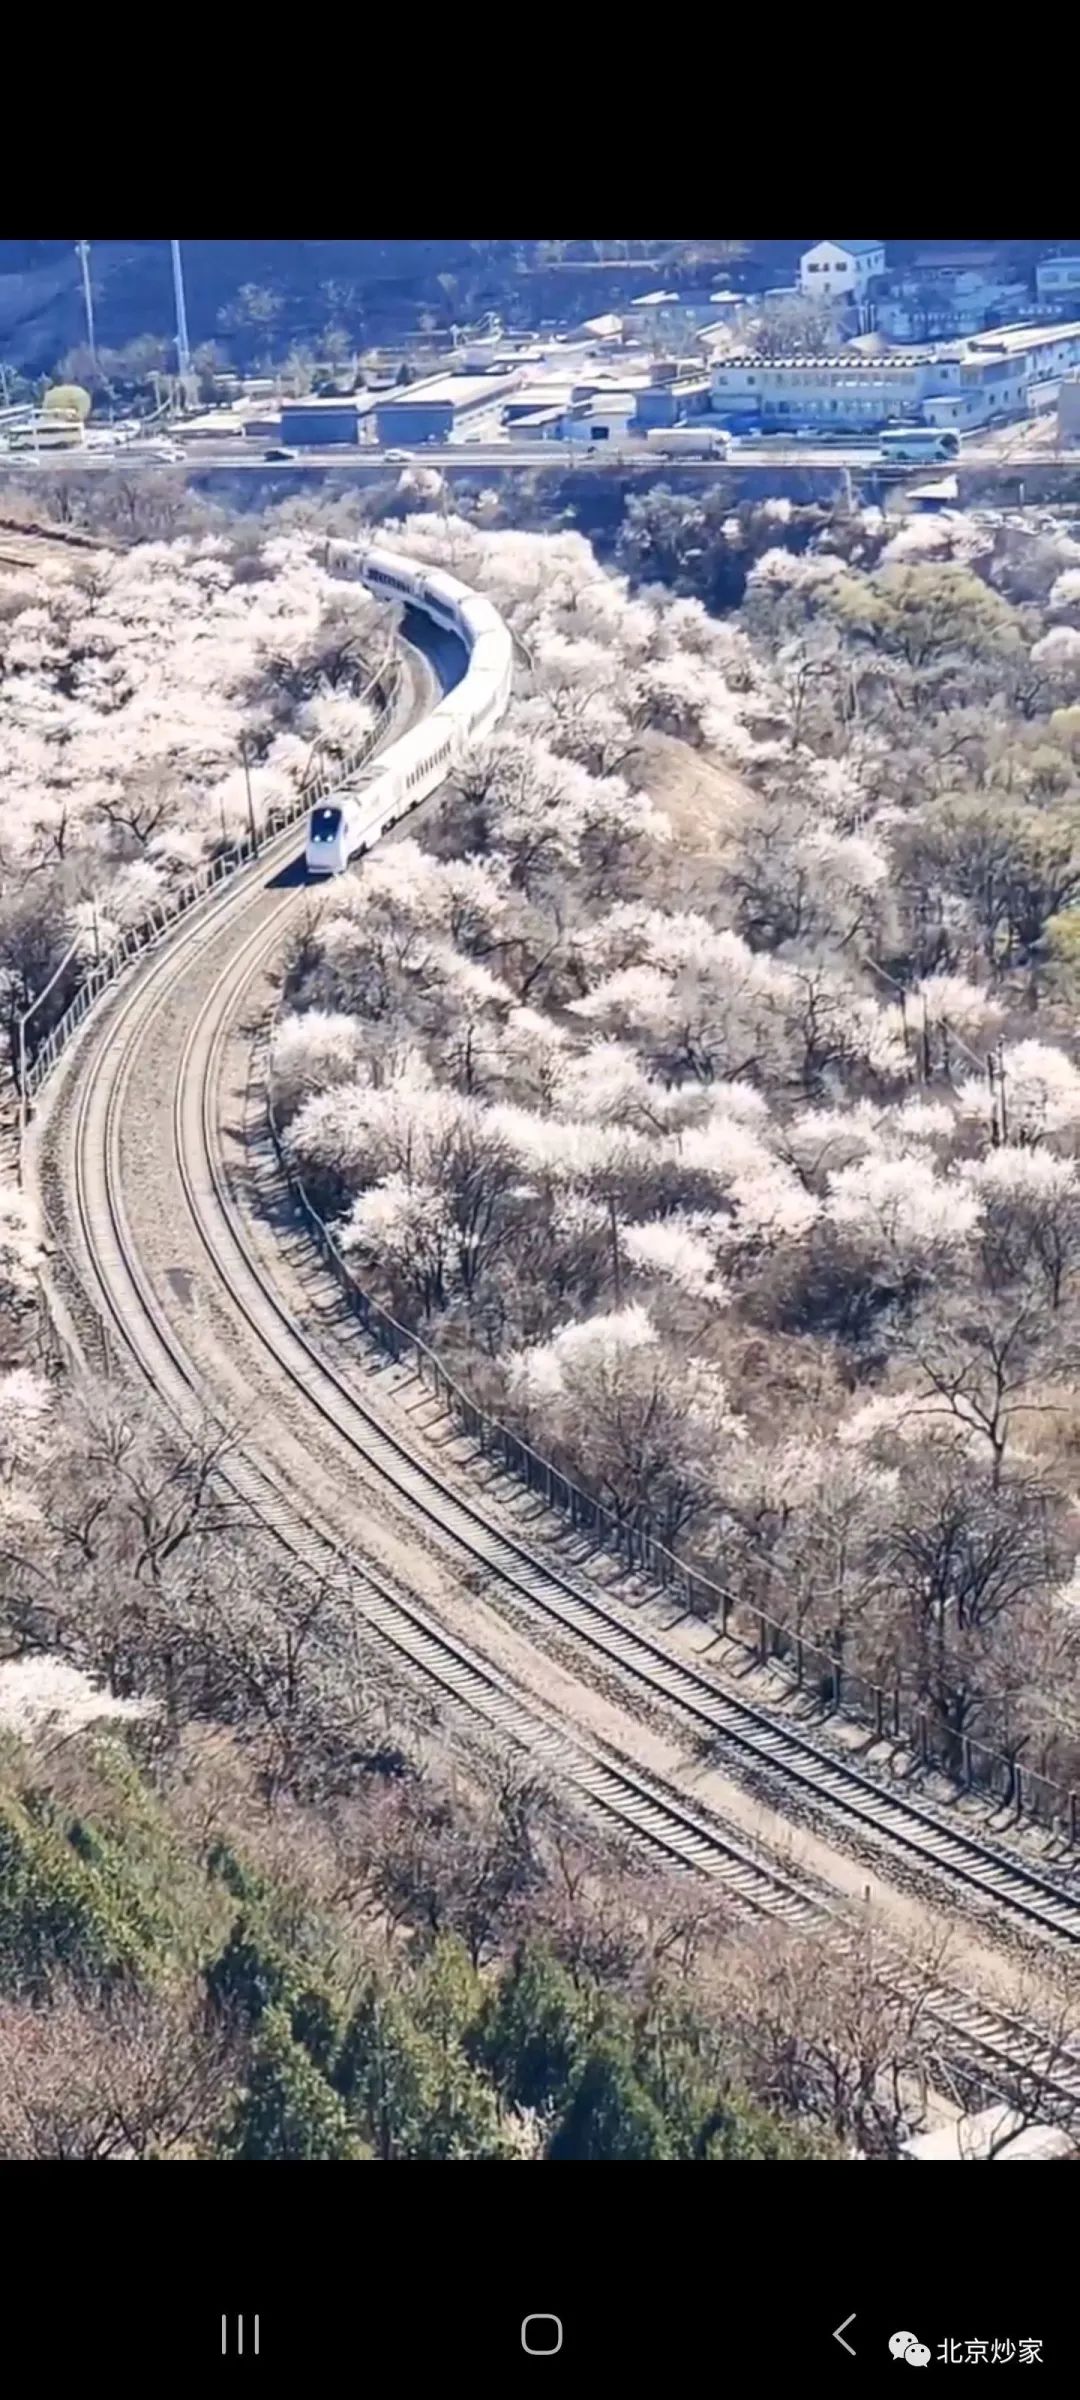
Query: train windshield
x=325, y=823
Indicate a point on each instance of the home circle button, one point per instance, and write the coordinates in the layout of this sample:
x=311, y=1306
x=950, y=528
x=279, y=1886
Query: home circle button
x=541, y=2336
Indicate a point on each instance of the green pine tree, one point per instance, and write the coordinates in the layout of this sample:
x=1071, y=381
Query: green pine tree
x=611, y=2115
x=413, y=2095
x=287, y=2109
x=534, y=2031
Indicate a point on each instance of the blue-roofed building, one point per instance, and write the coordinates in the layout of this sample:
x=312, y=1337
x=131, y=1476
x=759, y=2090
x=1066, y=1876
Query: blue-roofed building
x=432, y=411
x=840, y=270
x=311, y=423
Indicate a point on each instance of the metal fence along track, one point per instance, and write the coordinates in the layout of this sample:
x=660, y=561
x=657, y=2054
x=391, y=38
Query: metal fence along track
x=734, y=1726
x=641, y=1808
x=655, y=1816
x=1026, y=1791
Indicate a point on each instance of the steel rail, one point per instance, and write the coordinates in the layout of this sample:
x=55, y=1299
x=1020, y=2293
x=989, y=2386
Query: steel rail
x=657, y=1819
x=651, y=1814
x=575, y=1604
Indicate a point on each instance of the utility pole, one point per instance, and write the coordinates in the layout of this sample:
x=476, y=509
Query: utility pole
x=183, y=353
x=250, y=806
x=82, y=253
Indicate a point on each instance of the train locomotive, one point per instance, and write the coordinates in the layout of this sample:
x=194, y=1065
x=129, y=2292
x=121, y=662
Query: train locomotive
x=347, y=823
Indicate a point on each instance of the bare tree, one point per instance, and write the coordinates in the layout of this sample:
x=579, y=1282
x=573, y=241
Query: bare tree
x=142, y=2076
x=829, y=2032
x=983, y=1362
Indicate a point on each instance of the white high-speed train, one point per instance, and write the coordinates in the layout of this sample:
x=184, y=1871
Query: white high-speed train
x=346, y=823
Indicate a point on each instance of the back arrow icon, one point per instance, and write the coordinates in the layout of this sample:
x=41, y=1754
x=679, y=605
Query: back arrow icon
x=840, y=2330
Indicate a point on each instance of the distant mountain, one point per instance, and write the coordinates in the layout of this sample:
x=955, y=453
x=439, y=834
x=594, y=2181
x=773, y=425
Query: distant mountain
x=366, y=286
x=374, y=289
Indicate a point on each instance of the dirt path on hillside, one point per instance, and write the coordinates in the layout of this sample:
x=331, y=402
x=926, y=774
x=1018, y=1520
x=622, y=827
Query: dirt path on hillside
x=702, y=798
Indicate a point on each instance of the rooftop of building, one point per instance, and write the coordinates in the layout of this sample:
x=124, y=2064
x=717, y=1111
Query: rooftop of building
x=457, y=391
x=850, y=359
x=853, y=249
x=929, y=259
x=323, y=400
x=531, y=417
x=1017, y=338
x=613, y=386
x=542, y=395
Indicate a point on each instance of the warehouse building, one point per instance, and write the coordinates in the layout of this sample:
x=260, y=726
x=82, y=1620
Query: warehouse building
x=539, y=424
x=1000, y=374
x=433, y=411
x=530, y=398
x=592, y=421
x=310, y=423
x=972, y=383
x=847, y=389
x=669, y=401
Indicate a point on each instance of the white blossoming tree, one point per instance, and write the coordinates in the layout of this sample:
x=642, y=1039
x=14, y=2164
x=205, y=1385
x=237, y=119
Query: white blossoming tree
x=646, y=1432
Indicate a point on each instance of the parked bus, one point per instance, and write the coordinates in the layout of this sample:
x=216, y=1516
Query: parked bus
x=919, y=442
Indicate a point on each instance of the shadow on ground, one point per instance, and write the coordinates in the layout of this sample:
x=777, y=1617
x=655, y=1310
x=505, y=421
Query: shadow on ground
x=293, y=872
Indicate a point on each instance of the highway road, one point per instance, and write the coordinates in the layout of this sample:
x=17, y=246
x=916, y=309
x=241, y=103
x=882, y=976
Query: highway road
x=503, y=458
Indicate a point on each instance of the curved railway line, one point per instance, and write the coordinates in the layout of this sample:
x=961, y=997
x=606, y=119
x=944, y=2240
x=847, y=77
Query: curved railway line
x=203, y=975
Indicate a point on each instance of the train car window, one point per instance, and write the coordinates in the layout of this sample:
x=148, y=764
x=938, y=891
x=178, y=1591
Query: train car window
x=324, y=824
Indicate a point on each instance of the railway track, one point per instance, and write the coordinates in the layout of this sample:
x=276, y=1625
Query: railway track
x=242, y=927
x=737, y=1728
x=658, y=1820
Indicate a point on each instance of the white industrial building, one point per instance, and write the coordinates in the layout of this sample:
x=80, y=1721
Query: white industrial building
x=999, y=373
x=1058, y=278
x=605, y=417
x=840, y=270
x=963, y=385
x=847, y=389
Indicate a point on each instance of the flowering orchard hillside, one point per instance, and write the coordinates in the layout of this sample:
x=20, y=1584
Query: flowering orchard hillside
x=126, y=691
x=746, y=1185
x=126, y=688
